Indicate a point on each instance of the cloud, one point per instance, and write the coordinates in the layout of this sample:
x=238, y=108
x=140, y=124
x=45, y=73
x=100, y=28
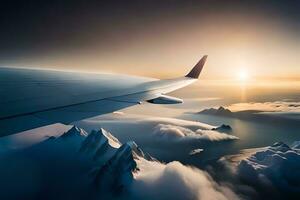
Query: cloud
x=161, y=136
x=284, y=109
x=195, y=151
x=168, y=131
x=276, y=106
x=153, y=127
x=177, y=181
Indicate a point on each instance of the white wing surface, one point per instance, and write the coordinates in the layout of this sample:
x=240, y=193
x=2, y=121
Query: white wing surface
x=33, y=98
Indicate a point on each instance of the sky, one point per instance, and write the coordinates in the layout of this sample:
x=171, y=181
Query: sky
x=253, y=63
x=257, y=41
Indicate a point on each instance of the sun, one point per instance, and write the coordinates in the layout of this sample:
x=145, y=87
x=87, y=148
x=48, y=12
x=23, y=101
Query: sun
x=243, y=75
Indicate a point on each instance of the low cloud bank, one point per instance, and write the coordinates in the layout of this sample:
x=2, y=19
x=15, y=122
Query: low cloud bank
x=177, y=181
x=254, y=110
x=153, y=128
x=267, y=106
x=168, y=131
x=161, y=137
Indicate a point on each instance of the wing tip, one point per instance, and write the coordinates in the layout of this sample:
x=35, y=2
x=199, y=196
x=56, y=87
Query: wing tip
x=195, y=72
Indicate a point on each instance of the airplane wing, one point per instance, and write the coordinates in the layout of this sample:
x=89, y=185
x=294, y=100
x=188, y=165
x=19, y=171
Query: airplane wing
x=32, y=98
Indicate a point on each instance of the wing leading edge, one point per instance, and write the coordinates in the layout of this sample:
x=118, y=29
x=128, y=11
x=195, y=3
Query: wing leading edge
x=72, y=96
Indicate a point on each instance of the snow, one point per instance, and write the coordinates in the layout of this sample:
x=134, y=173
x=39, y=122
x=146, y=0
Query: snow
x=296, y=145
x=113, y=141
x=74, y=132
x=277, y=165
x=195, y=151
x=79, y=165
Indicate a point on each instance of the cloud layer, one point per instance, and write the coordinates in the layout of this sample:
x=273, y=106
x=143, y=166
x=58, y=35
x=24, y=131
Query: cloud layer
x=283, y=109
x=276, y=106
x=168, y=131
x=156, y=127
x=177, y=181
x=162, y=137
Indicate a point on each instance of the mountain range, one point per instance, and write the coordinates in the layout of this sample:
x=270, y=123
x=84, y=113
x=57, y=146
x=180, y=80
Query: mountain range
x=80, y=164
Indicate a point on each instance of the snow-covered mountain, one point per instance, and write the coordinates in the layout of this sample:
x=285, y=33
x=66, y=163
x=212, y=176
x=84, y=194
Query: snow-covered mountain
x=78, y=165
x=216, y=111
x=74, y=132
x=78, y=162
x=278, y=164
x=272, y=171
x=113, y=163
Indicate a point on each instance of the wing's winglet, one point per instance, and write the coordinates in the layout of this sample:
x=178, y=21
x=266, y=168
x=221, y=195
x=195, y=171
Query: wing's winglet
x=195, y=72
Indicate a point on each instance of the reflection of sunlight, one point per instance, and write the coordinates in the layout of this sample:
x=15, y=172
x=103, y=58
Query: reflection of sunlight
x=243, y=93
x=243, y=78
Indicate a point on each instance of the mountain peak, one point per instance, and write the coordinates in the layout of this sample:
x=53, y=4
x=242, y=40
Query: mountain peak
x=117, y=171
x=97, y=143
x=223, y=128
x=137, y=151
x=122, y=164
x=280, y=146
x=216, y=111
x=296, y=145
x=113, y=141
x=74, y=131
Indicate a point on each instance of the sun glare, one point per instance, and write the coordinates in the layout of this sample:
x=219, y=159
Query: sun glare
x=243, y=75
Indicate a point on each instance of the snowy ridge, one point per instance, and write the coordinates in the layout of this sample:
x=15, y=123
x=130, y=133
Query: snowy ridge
x=278, y=164
x=113, y=163
x=74, y=132
x=77, y=165
x=117, y=172
x=100, y=145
